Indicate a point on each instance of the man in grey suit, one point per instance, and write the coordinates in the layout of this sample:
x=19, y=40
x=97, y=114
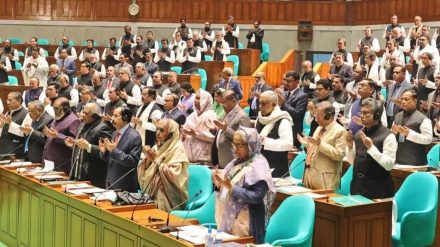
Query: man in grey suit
x=112, y=80
x=234, y=117
x=341, y=68
x=394, y=92
x=259, y=87
x=171, y=110
x=123, y=63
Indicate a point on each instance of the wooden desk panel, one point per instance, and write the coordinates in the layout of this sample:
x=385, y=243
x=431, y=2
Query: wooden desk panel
x=338, y=226
x=249, y=60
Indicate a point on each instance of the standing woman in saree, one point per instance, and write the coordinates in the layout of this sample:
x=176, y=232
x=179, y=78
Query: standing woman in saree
x=198, y=138
x=246, y=186
x=166, y=165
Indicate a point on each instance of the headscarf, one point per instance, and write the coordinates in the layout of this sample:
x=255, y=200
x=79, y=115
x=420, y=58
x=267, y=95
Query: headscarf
x=205, y=102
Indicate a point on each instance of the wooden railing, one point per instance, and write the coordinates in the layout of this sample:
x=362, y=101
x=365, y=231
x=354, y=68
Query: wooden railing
x=269, y=12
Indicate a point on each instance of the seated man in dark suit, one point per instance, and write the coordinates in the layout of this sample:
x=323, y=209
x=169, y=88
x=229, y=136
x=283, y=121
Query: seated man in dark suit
x=294, y=101
x=36, y=139
x=122, y=153
x=150, y=65
x=86, y=162
x=171, y=110
x=229, y=82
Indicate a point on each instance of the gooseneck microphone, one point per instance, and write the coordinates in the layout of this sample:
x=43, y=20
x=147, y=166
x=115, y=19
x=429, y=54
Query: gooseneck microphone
x=53, y=169
x=96, y=198
x=166, y=228
x=71, y=170
x=187, y=213
x=145, y=189
x=11, y=152
x=291, y=169
x=24, y=160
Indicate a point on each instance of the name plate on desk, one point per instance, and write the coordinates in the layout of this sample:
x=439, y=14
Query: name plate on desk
x=351, y=200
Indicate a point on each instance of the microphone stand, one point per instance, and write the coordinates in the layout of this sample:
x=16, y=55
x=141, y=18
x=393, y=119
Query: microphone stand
x=71, y=170
x=186, y=216
x=291, y=169
x=145, y=189
x=51, y=170
x=27, y=155
x=166, y=228
x=96, y=198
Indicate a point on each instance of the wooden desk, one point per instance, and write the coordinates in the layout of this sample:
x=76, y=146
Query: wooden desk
x=193, y=79
x=38, y=214
x=338, y=226
x=249, y=60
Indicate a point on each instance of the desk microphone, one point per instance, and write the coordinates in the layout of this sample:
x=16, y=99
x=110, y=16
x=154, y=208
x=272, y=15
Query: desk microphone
x=27, y=155
x=71, y=170
x=166, y=228
x=96, y=198
x=325, y=186
x=186, y=216
x=288, y=172
x=11, y=152
x=145, y=189
x=51, y=170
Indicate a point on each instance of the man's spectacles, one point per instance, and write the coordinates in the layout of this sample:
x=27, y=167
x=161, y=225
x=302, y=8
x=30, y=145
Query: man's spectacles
x=364, y=113
x=319, y=89
x=263, y=103
x=9, y=101
x=287, y=80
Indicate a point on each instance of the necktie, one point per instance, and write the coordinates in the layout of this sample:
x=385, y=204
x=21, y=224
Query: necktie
x=109, y=83
x=117, y=138
x=254, y=105
x=226, y=85
x=26, y=147
x=390, y=109
x=313, y=148
x=62, y=64
x=288, y=95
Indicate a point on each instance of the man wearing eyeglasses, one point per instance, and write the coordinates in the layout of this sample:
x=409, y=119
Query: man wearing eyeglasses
x=423, y=47
x=341, y=68
x=372, y=152
x=229, y=82
x=294, y=101
x=275, y=129
x=141, y=76
x=123, y=64
x=86, y=98
x=348, y=58
x=13, y=142
x=85, y=79
x=130, y=92
x=325, y=150
x=259, y=88
x=64, y=125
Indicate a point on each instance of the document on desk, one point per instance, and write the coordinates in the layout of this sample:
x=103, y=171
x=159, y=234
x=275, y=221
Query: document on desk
x=85, y=191
x=196, y=234
x=397, y=166
x=19, y=164
x=351, y=200
x=293, y=189
x=47, y=177
x=286, y=181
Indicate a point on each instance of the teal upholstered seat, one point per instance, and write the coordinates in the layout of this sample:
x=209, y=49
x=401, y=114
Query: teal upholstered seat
x=433, y=156
x=235, y=59
x=345, y=182
x=205, y=214
x=43, y=42
x=199, y=179
x=297, y=166
x=177, y=69
x=12, y=80
x=203, y=79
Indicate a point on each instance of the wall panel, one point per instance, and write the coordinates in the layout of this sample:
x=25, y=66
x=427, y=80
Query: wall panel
x=270, y=12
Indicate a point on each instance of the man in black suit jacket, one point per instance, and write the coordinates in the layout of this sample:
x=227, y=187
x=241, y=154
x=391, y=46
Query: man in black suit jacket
x=171, y=110
x=294, y=101
x=259, y=87
x=150, y=65
x=36, y=139
x=86, y=161
x=229, y=82
x=255, y=37
x=394, y=92
x=85, y=98
x=122, y=153
x=341, y=68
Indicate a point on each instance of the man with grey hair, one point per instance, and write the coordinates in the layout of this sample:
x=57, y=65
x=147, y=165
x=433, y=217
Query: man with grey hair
x=97, y=67
x=87, y=164
x=226, y=127
x=220, y=48
x=11, y=141
x=141, y=76
x=35, y=138
x=130, y=92
x=54, y=74
x=259, y=87
x=34, y=92
x=200, y=44
x=275, y=129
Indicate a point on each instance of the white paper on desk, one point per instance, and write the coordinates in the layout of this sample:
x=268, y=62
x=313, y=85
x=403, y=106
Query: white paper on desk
x=19, y=163
x=397, y=166
x=77, y=186
x=286, y=181
x=86, y=191
x=48, y=177
x=293, y=189
x=48, y=165
x=108, y=195
x=196, y=234
x=314, y=195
